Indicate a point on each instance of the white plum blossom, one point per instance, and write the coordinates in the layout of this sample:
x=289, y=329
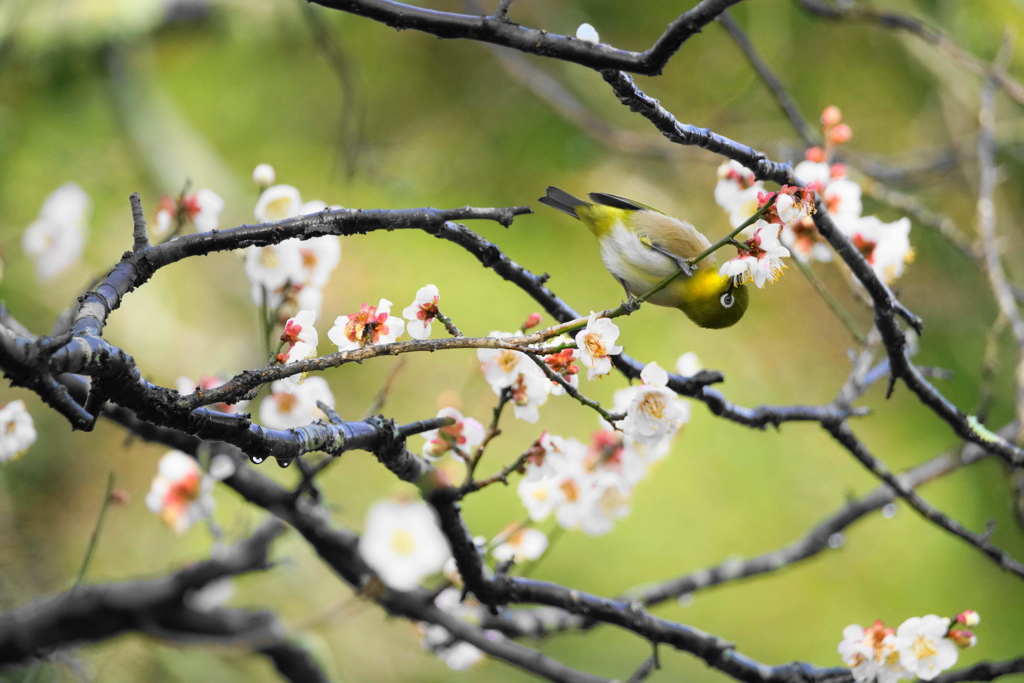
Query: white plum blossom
x=655, y=411
x=462, y=437
x=421, y=312
x=263, y=175
x=289, y=406
x=17, y=430
x=302, y=339
x=737, y=192
x=587, y=33
x=270, y=269
x=886, y=246
x=204, y=209
x=871, y=654
x=596, y=344
x=372, y=325
x=403, y=544
x=320, y=256
x=277, y=203
x=56, y=238
x=522, y=545
x=761, y=261
x=688, y=364
x=924, y=649
x=457, y=654
x=180, y=494
x=506, y=369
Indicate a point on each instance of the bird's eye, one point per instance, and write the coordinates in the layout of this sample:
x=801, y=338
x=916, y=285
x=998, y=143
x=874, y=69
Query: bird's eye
x=727, y=300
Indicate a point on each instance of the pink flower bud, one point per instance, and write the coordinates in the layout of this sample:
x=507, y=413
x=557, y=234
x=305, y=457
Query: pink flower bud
x=831, y=116
x=841, y=134
x=815, y=154
x=963, y=638
x=532, y=321
x=968, y=618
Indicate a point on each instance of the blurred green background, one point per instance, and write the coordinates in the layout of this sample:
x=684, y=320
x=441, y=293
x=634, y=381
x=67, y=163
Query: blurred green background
x=142, y=96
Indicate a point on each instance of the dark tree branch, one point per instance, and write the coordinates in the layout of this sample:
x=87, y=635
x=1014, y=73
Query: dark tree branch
x=160, y=608
x=498, y=30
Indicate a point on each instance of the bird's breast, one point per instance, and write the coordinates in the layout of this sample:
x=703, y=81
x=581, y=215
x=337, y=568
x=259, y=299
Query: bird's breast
x=626, y=257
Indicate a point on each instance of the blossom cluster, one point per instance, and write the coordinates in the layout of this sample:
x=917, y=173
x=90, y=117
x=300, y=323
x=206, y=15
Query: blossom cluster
x=589, y=487
x=921, y=647
x=885, y=246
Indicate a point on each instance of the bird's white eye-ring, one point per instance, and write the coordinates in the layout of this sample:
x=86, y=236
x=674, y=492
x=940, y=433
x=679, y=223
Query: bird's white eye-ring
x=727, y=300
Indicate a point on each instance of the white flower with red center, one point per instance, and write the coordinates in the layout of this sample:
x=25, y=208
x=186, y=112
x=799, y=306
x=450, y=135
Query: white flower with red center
x=761, y=260
x=521, y=545
x=791, y=204
x=370, y=326
x=289, y=405
x=277, y=203
x=180, y=493
x=300, y=329
x=596, y=344
x=186, y=386
x=461, y=437
x=655, y=412
x=17, y=430
x=924, y=649
x=264, y=175
x=737, y=191
x=421, y=312
x=842, y=197
x=871, y=654
x=302, y=339
x=403, y=544
x=56, y=238
x=203, y=208
x=885, y=246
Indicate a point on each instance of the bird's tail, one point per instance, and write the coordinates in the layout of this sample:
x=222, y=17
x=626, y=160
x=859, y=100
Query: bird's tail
x=562, y=201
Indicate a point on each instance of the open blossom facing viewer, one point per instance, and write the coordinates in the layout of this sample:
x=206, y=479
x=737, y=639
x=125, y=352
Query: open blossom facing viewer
x=290, y=405
x=370, y=326
x=596, y=344
x=761, y=260
x=655, y=411
x=17, y=430
x=421, y=312
x=403, y=544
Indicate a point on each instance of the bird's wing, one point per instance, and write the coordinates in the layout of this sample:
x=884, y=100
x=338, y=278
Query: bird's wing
x=618, y=202
x=671, y=234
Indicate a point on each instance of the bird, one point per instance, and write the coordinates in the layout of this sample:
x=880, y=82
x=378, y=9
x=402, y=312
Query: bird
x=641, y=246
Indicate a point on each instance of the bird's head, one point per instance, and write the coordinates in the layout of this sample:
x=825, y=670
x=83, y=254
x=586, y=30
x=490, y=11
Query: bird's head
x=711, y=300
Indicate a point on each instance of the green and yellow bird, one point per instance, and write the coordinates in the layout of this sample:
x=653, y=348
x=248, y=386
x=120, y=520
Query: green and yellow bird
x=641, y=246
